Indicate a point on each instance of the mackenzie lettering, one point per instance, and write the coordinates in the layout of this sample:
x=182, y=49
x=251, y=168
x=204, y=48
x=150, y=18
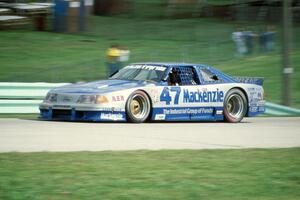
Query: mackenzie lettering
x=202, y=96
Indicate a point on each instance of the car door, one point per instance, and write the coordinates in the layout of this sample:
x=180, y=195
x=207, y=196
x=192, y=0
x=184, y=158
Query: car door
x=207, y=97
x=197, y=95
x=192, y=98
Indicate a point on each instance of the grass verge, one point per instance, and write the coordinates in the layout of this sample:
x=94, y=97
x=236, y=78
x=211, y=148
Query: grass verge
x=182, y=174
x=21, y=116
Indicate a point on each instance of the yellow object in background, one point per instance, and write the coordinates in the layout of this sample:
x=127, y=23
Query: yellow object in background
x=113, y=54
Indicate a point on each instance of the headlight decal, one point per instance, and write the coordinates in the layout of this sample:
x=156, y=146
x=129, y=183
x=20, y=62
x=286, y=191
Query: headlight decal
x=86, y=99
x=101, y=99
x=51, y=97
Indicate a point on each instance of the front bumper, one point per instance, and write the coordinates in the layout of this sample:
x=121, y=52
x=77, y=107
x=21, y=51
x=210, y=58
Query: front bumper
x=79, y=114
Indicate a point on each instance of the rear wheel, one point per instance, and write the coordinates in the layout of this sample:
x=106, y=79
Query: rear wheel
x=138, y=107
x=235, y=106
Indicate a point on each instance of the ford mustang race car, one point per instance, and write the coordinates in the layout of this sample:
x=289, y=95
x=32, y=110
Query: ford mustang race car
x=158, y=91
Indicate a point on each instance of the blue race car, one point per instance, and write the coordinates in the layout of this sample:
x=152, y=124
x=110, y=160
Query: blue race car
x=158, y=91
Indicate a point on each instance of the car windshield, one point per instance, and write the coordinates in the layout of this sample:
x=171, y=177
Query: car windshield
x=141, y=73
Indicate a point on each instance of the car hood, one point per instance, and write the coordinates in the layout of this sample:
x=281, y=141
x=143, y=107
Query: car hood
x=103, y=86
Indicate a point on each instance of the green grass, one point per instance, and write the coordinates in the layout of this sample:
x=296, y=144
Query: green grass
x=52, y=57
x=20, y=116
x=186, y=174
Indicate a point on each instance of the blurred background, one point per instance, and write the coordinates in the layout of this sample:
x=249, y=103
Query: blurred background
x=68, y=41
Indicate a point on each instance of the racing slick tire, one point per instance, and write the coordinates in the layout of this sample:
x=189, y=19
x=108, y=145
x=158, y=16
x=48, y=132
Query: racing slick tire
x=138, y=107
x=235, y=106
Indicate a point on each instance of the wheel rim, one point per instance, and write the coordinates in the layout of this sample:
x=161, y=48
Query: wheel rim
x=139, y=107
x=235, y=106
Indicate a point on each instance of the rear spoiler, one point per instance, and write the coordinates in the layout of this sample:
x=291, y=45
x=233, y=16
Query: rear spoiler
x=252, y=80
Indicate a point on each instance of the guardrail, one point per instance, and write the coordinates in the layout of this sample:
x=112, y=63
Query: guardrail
x=25, y=98
x=280, y=110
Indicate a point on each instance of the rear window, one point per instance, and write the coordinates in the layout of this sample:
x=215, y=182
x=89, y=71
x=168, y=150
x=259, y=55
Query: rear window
x=209, y=76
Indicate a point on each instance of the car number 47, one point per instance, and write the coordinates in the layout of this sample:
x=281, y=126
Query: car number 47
x=165, y=95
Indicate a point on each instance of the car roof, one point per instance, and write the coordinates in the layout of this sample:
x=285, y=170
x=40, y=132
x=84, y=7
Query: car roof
x=170, y=64
x=176, y=64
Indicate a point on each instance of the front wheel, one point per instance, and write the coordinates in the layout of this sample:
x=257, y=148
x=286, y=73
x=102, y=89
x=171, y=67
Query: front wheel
x=138, y=107
x=235, y=106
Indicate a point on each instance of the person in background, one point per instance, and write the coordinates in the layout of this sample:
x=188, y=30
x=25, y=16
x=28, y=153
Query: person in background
x=262, y=41
x=112, y=56
x=239, y=40
x=266, y=39
x=124, y=55
x=270, y=34
x=249, y=36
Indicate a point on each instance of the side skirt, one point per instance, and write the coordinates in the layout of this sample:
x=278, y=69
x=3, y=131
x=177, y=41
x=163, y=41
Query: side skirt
x=187, y=114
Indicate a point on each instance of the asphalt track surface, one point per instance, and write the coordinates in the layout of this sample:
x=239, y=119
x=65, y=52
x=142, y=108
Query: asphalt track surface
x=34, y=136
